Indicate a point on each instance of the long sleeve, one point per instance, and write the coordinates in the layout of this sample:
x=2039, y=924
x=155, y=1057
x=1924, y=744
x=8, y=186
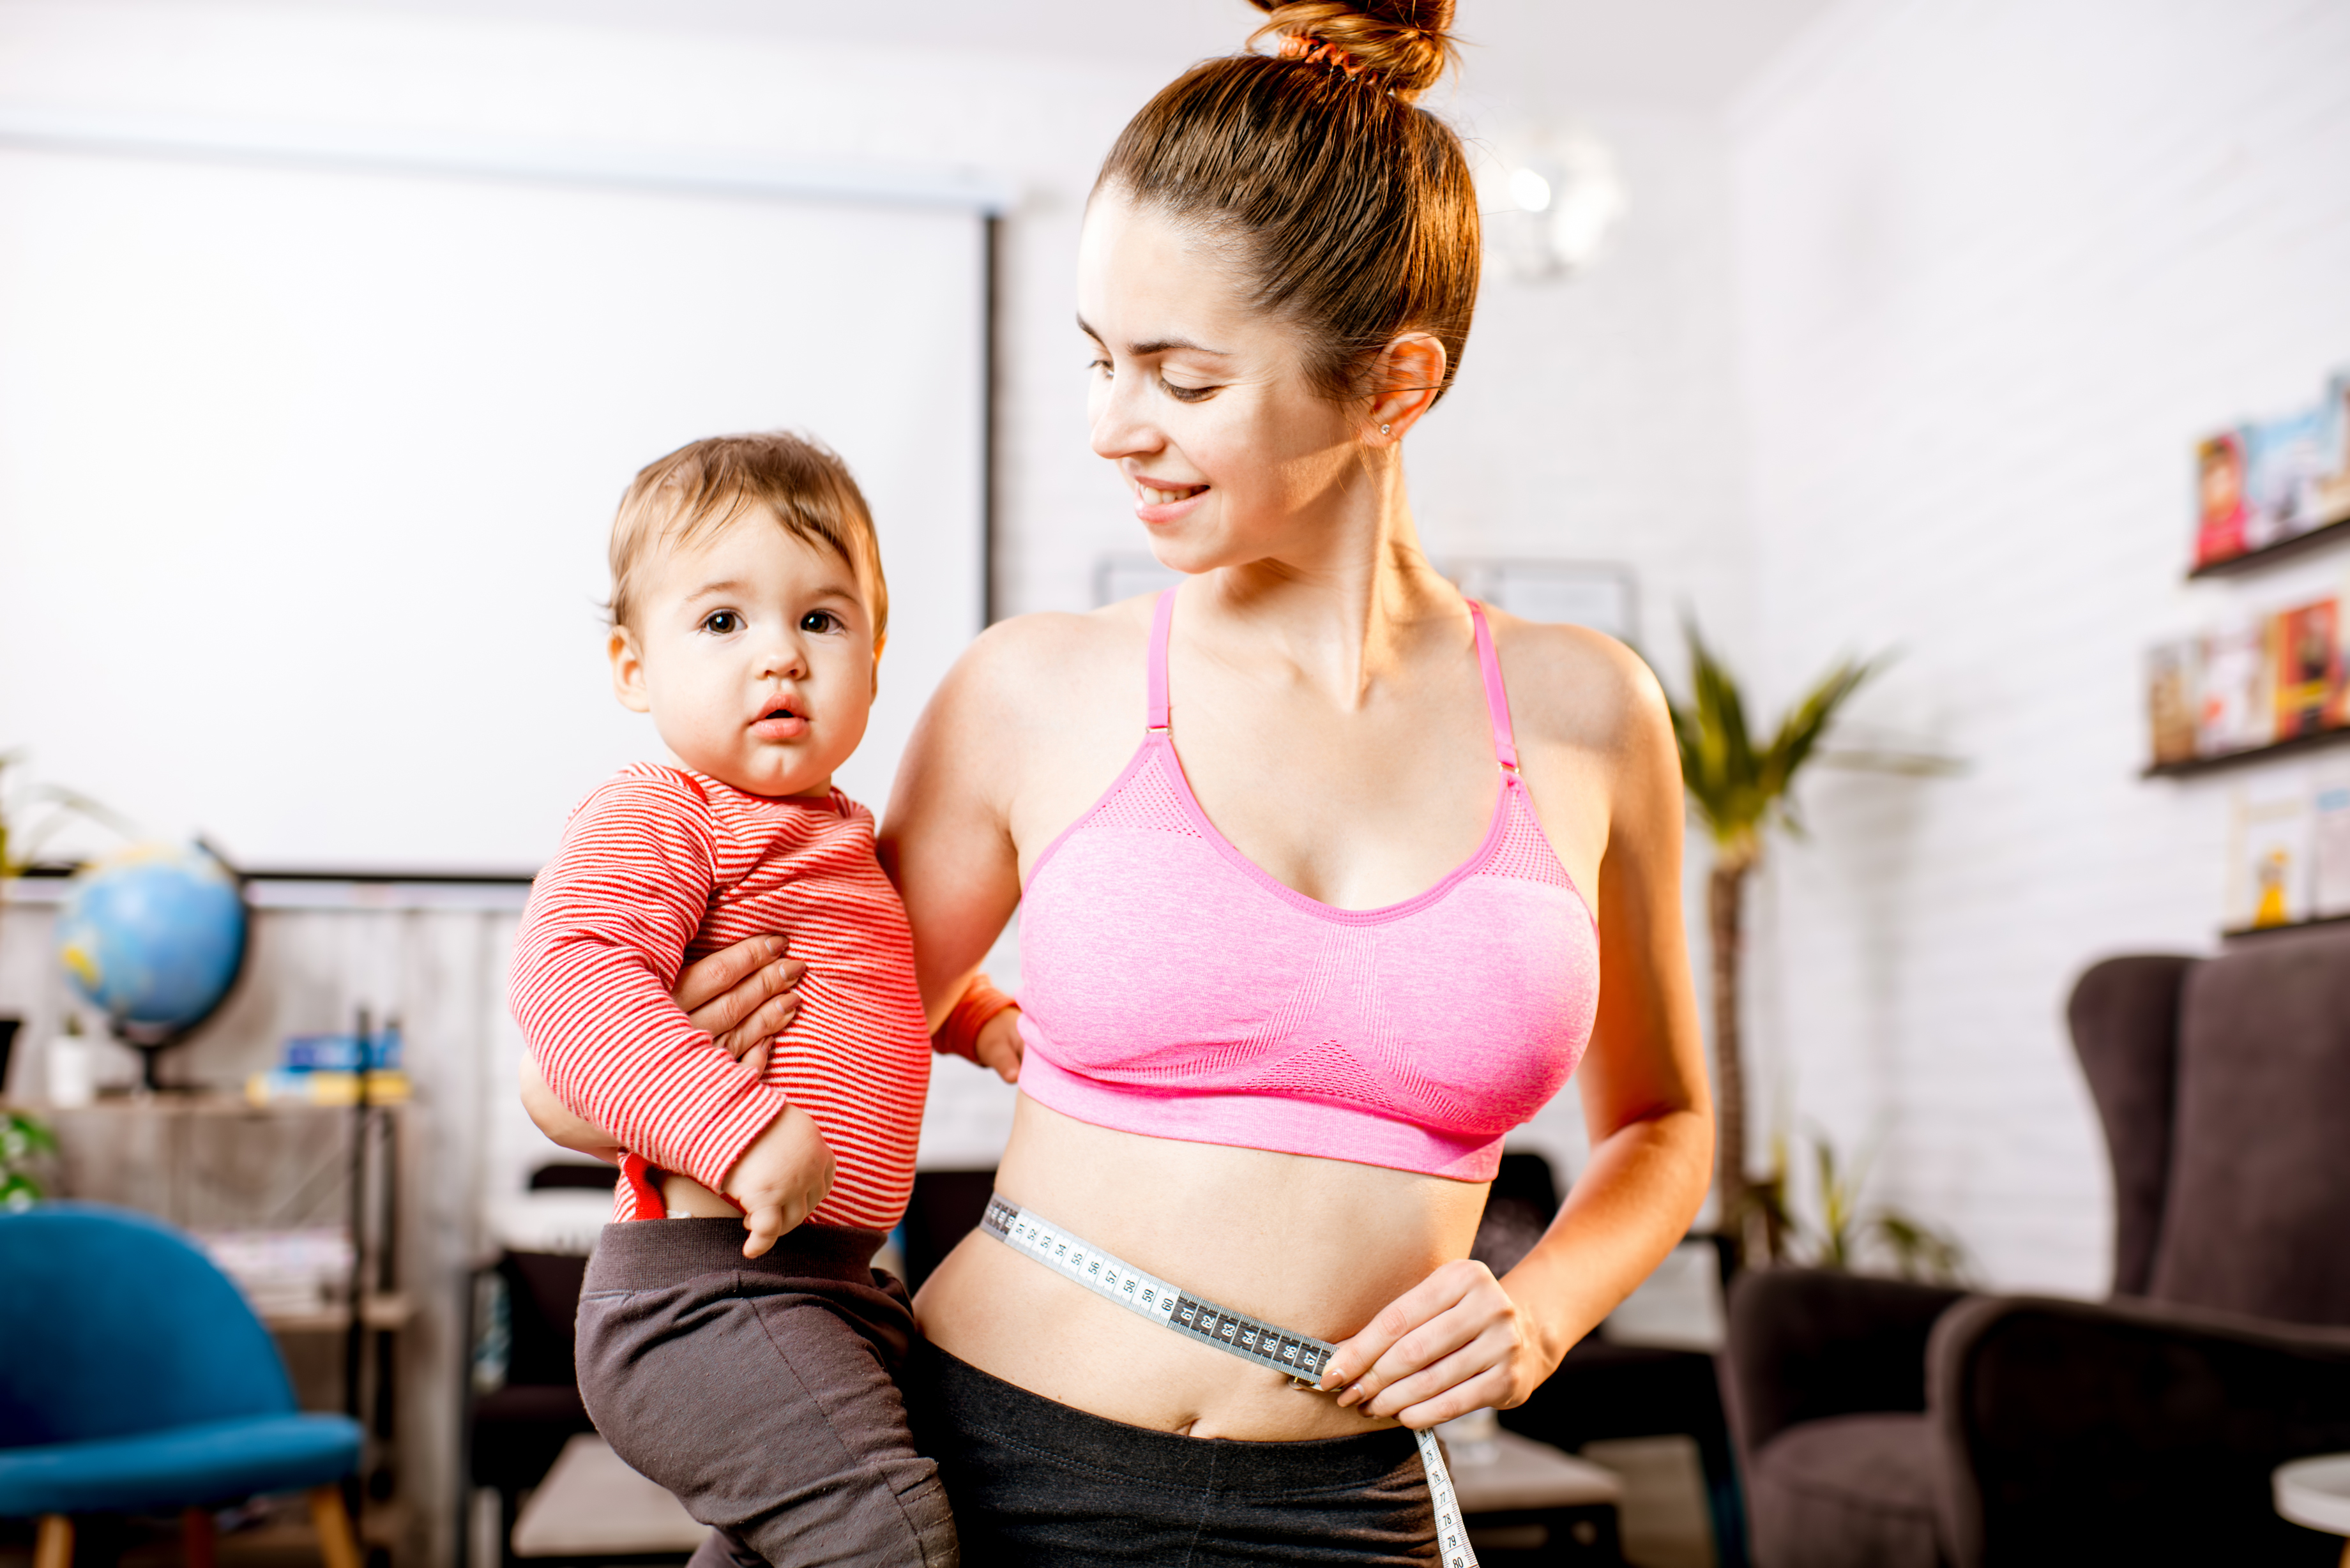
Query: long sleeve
x=601, y=943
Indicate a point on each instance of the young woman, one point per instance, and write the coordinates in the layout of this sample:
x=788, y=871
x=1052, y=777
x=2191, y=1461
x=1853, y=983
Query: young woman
x=1328, y=878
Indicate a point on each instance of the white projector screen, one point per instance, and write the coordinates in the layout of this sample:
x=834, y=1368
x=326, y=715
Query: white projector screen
x=306, y=476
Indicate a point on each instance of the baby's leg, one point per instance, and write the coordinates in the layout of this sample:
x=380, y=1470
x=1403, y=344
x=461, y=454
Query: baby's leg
x=762, y=1392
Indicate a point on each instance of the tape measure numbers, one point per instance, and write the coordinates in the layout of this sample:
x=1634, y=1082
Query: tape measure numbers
x=1261, y=1344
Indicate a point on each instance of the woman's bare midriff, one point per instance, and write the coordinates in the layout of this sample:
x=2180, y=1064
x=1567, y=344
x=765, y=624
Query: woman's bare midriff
x=1316, y=1245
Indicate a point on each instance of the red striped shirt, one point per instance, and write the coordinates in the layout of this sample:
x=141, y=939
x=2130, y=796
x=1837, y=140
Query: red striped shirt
x=661, y=867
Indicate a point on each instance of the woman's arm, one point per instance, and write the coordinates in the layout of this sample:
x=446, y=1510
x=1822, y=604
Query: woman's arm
x=1461, y=1340
x=946, y=842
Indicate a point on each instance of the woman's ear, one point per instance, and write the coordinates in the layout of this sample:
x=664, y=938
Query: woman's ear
x=628, y=672
x=1405, y=381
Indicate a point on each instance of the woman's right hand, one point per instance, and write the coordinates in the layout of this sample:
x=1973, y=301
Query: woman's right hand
x=743, y=996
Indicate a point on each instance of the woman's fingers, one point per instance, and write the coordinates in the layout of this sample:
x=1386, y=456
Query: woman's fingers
x=1449, y=1383
x=1356, y=1357
x=773, y=1017
x=722, y=970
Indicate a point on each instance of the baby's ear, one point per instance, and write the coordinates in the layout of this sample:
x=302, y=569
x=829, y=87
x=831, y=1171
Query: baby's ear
x=880, y=641
x=628, y=672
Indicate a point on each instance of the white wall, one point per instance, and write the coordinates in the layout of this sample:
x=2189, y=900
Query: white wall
x=1998, y=267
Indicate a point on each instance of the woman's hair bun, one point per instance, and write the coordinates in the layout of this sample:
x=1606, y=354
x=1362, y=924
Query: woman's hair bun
x=1404, y=43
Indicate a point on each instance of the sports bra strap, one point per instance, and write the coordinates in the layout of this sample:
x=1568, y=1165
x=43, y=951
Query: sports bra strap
x=1162, y=621
x=1497, y=701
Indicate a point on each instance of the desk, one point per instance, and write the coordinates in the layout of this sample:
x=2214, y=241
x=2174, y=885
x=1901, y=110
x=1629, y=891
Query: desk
x=1526, y=1502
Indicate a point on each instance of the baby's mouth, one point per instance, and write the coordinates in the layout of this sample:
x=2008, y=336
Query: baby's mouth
x=781, y=721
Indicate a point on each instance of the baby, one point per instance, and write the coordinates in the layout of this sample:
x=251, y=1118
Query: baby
x=748, y=617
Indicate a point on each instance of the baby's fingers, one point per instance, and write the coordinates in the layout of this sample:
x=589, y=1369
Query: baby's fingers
x=767, y=1226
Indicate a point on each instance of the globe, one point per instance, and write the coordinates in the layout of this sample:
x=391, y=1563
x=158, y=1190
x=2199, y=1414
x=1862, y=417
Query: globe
x=154, y=935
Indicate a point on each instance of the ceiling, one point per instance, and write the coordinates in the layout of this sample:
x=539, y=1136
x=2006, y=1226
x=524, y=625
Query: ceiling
x=1685, y=53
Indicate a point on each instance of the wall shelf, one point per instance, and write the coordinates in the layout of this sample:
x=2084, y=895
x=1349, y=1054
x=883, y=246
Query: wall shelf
x=2267, y=555
x=2292, y=747
x=2241, y=933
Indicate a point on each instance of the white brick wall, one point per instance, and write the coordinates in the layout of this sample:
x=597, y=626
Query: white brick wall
x=1998, y=264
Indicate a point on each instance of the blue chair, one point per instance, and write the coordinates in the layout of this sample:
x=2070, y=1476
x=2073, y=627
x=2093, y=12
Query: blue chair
x=134, y=1379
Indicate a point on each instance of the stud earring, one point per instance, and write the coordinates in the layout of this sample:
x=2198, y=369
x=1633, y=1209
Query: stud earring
x=1383, y=430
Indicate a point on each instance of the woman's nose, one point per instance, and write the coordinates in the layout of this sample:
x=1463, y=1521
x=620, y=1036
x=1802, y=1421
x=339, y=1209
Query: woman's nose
x=1120, y=427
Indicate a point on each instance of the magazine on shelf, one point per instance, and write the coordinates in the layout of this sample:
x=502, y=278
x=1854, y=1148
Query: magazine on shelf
x=2233, y=710
x=2220, y=497
x=2263, y=481
x=2171, y=670
x=2330, y=842
x=2269, y=880
x=2307, y=644
x=2287, y=459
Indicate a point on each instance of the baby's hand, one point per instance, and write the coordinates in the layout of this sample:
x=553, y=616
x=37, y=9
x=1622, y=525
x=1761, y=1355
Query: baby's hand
x=780, y=1178
x=999, y=1046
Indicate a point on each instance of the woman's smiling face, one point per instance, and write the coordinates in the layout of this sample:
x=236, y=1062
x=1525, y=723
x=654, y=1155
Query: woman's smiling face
x=1231, y=454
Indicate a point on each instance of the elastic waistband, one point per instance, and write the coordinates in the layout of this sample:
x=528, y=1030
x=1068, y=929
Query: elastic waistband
x=961, y=1398
x=645, y=1254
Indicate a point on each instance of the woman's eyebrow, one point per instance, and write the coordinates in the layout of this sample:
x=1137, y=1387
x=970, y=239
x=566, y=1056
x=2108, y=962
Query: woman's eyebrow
x=1149, y=347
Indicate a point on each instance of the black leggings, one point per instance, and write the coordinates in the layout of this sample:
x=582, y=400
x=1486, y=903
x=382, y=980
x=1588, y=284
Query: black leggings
x=1036, y=1484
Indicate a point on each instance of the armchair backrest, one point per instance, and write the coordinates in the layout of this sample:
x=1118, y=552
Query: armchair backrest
x=112, y=1323
x=2259, y=1204
x=2224, y=1087
x=2125, y=1019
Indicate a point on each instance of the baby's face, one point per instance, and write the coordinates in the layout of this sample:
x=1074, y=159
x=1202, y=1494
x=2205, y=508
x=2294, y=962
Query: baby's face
x=754, y=655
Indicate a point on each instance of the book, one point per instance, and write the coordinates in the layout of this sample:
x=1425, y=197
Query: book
x=2269, y=879
x=2329, y=845
x=2171, y=669
x=2331, y=495
x=2233, y=711
x=2286, y=460
x=2219, y=498
x=2306, y=643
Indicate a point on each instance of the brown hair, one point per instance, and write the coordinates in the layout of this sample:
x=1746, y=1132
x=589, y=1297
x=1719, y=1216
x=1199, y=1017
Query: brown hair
x=707, y=485
x=1351, y=211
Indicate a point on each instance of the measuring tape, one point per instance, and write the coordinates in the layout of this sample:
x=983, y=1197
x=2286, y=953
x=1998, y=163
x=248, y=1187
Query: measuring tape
x=1261, y=1344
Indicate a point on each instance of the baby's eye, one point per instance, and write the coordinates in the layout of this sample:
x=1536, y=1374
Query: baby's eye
x=820, y=621
x=721, y=623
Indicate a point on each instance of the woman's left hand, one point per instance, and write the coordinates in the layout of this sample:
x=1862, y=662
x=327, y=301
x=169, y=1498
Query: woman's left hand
x=1453, y=1344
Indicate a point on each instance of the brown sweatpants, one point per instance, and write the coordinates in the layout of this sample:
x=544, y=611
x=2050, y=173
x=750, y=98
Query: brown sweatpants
x=763, y=1392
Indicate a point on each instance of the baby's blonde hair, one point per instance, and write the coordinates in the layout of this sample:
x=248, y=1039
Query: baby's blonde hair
x=707, y=485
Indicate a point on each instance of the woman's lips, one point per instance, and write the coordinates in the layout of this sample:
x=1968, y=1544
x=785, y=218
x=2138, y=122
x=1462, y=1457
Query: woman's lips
x=1163, y=504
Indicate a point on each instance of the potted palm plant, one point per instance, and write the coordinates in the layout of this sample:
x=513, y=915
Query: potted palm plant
x=1739, y=789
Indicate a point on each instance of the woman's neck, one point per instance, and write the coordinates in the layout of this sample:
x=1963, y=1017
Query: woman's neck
x=1347, y=609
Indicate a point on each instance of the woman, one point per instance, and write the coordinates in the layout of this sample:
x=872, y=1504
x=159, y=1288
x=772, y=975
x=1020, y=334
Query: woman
x=1294, y=964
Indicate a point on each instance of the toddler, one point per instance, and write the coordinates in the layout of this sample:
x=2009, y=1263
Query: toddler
x=755, y=1378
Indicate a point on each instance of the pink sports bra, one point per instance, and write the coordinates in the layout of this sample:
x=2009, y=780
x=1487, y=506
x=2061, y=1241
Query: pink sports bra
x=1170, y=988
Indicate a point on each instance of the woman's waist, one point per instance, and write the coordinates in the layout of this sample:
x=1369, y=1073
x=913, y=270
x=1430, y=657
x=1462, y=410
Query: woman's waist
x=1016, y=1320
x=1313, y=1247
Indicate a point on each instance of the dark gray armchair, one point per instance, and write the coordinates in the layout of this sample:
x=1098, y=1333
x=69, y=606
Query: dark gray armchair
x=1886, y=1425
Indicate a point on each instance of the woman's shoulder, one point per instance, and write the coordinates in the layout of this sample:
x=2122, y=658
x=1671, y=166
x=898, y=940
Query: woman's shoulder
x=1029, y=662
x=1574, y=686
